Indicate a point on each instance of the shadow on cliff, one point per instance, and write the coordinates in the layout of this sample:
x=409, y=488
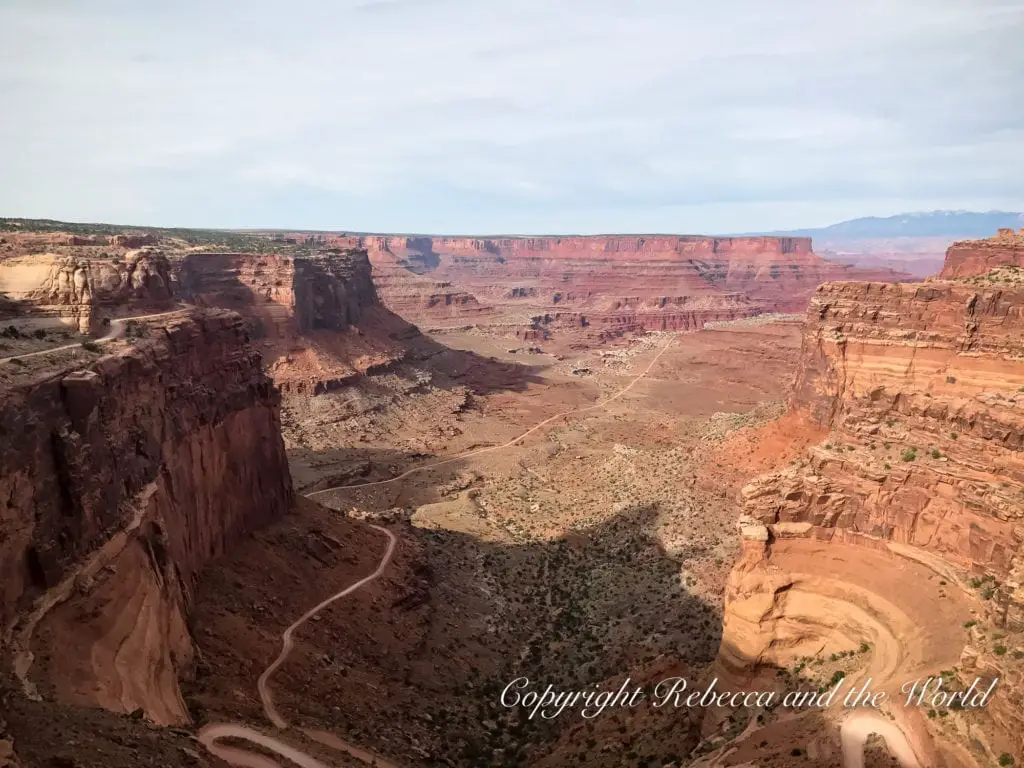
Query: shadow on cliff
x=194, y=285
x=335, y=303
x=462, y=368
x=12, y=309
x=460, y=615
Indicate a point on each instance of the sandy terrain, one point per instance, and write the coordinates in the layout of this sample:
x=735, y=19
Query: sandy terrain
x=596, y=546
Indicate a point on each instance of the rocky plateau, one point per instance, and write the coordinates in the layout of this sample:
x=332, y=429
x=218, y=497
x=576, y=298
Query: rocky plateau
x=561, y=454
x=920, y=478
x=606, y=284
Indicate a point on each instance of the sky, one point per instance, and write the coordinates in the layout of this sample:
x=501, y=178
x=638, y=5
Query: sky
x=519, y=116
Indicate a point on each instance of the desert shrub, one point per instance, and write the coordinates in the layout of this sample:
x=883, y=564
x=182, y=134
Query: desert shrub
x=136, y=330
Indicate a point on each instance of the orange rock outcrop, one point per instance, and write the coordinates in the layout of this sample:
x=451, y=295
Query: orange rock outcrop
x=921, y=387
x=85, y=289
x=121, y=480
x=656, y=282
x=975, y=257
x=316, y=317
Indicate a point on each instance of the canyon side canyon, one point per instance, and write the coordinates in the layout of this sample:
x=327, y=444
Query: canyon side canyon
x=609, y=284
x=601, y=458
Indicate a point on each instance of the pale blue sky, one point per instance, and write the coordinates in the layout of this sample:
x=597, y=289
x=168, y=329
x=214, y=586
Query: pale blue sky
x=477, y=116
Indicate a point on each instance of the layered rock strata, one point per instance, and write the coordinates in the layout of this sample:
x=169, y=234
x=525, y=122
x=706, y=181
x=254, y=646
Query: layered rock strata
x=317, y=317
x=653, y=282
x=976, y=257
x=122, y=479
x=82, y=290
x=922, y=389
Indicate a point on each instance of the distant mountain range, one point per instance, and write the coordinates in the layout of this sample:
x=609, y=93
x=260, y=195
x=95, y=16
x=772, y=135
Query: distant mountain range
x=909, y=242
x=950, y=224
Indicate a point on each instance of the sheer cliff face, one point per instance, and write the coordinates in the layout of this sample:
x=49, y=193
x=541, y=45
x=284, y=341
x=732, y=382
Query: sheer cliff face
x=976, y=257
x=289, y=294
x=122, y=481
x=922, y=389
x=316, y=318
x=655, y=282
x=82, y=290
x=912, y=366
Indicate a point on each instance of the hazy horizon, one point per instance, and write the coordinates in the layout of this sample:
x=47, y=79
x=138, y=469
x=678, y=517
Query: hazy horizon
x=982, y=232
x=452, y=116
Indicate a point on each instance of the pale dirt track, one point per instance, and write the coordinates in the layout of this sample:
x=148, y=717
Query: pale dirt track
x=117, y=327
x=854, y=734
x=211, y=734
x=510, y=443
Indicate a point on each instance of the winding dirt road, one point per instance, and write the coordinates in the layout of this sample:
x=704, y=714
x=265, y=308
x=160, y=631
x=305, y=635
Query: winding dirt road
x=854, y=732
x=117, y=329
x=510, y=443
x=288, y=643
x=211, y=735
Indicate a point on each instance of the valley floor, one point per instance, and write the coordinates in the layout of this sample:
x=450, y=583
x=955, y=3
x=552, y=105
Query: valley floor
x=595, y=549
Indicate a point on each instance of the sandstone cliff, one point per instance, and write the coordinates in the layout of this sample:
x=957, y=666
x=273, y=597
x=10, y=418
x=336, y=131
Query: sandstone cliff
x=401, y=278
x=122, y=480
x=317, y=318
x=82, y=290
x=976, y=257
x=920, y=387
x=656, y=282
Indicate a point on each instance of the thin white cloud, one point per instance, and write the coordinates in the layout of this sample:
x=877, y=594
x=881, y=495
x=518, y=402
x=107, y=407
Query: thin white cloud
x=477, y=115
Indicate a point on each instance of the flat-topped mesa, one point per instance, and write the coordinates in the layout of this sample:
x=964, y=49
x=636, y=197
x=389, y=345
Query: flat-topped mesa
x=83, y=290
x=652, y=247
x=968, y=258
x=317, y=317
x=883, y=344
x=122, y=479
x=595, y=275
x=921, y=386
x=290, y=294
x=400, y=279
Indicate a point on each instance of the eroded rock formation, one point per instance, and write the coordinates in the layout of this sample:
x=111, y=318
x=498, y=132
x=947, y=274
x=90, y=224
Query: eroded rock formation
x=400, y=277
x=614, y=283
x=122, y=479
x=922, y=475
x=976, y=257
x=317, y=317
x=84, y=289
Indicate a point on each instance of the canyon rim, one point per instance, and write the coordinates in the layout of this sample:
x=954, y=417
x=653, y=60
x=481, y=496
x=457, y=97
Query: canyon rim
x=476, y=384
x=203, y=430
